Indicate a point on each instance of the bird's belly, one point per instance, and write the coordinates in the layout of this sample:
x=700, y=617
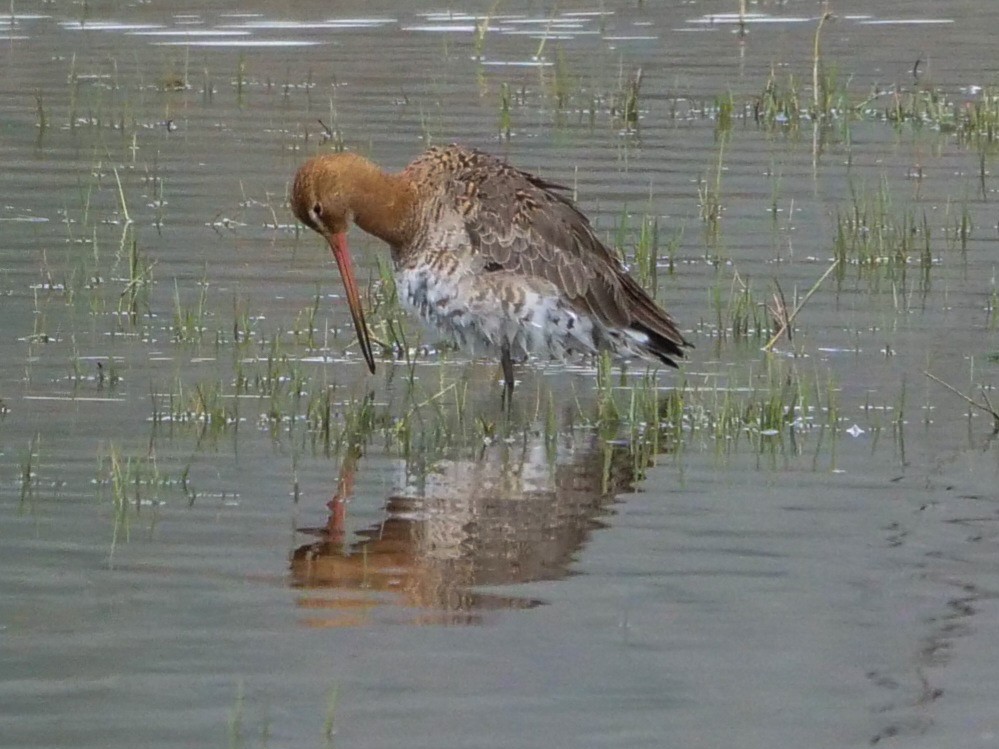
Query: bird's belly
x=484, y=312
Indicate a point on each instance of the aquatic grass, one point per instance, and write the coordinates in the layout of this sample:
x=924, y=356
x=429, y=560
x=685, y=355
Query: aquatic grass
x=646, y=425
x=821, y=92
x=273, y=383
x=978, y=120
x=28, y=473
x=122, y=202
x=607, y=407
x=539, y=53
x=74, y=85
x=565, y=82
x=208, y=88
x=992, y=305
x=39, y=322
x=780, y=315
x=240, y=378
x=109, y=375
x=621, y=232
x=745, y=314
x=134, y=297
x=319, y=419
x=770, y=412
x=188, y=322
x=920, y=106
x=333, y=134
x=235, y=721
x=213, y=410
x=240, y=78
x=630, y=111
x=646, y=255
x=505, y=119
x=898, y=424
x=118, y=475
x=304, y=329
x=159, y=201
x=130, y=482
x=205, y=405
x=329, y=722
x=974, y=122
x=157, y=415
x=437, y=420
x=625, y=104
x=881, y=241
x=777, y=406
x=778, y=105
x=724, y=108
x=960, y=227
x=709, y=193
x=427, y=428
x=985, y=406
x=785, y=319
x=739, y=315
x=479, y=36
x=42, y=118
x=386, y=318
x=551, y=429
x=360, y=420
x=276, y=361
x=241, y=322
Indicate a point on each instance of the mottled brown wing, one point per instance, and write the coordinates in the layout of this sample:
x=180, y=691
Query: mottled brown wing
x=521, y=223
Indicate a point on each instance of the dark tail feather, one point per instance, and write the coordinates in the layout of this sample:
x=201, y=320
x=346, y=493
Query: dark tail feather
x=665, y=342
x=667, y=350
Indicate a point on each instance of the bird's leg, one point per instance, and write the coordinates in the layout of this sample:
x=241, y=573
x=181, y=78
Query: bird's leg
x=507, y=361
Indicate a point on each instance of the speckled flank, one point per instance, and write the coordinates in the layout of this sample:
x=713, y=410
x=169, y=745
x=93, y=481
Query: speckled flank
x=481, y=313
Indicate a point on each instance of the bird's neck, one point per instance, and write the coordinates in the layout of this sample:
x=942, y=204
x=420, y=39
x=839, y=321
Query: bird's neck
x=384, y=205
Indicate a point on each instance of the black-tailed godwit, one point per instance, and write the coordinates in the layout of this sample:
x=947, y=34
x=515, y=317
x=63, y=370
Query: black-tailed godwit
x=496, y=258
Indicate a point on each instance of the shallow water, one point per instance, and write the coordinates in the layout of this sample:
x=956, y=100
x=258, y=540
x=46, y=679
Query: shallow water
x=218, y=529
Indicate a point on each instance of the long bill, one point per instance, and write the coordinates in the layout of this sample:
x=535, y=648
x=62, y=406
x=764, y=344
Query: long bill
x=338, y=244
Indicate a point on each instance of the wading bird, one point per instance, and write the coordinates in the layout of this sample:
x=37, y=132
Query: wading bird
x=496, y=258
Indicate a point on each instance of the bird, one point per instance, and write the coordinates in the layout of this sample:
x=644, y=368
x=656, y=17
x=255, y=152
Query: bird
x=498, y=259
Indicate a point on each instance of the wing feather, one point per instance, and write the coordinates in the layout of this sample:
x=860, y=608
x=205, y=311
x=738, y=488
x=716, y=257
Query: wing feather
x=522, y=223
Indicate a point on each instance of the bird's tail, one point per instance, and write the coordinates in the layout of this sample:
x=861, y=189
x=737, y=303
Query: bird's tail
x=653, y=329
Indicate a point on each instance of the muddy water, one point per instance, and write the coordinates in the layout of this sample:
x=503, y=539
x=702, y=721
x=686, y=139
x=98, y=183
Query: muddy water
x=217, y=529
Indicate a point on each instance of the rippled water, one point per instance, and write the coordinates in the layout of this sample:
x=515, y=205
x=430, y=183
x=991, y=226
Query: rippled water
x=217, y=529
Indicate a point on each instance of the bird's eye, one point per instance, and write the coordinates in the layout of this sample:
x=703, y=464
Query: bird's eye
x=317, y=209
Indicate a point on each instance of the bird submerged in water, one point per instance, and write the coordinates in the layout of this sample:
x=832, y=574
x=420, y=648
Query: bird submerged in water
x=496, y=258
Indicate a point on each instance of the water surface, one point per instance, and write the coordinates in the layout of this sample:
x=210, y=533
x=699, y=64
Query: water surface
x=219, y=530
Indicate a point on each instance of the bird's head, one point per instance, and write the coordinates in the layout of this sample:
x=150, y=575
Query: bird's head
x=323, y=190
x=322, y=198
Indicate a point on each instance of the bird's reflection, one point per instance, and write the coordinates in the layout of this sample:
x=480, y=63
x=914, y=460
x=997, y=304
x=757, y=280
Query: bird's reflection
x=517, y=514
